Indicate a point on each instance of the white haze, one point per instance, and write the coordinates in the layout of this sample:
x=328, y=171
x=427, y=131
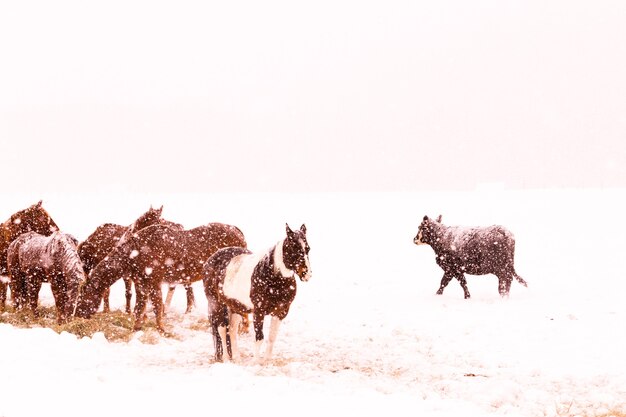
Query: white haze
x=326, y=96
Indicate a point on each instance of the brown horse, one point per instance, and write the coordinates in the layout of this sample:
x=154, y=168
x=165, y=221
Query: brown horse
x=96, y=247
x=34, y=218
x=33, y=259
x=154, y=255
x=107, y=236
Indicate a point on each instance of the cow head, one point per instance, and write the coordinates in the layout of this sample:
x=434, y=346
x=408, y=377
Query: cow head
x=425, y=233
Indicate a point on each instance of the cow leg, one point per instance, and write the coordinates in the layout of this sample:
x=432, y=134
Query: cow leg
x=444, y=282
x=463, y=282
x=128, y=285
x=504, y=283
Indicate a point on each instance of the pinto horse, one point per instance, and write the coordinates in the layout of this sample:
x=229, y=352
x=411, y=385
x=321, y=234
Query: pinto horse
x=475, y=251
x=33, y=259
x=34, y=218
x=238, y=282
x=153, y=255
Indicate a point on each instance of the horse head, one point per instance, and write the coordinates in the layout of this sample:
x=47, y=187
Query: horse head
x=425, y=231
x=34, y=218
x=150, y=217
x=296, y=252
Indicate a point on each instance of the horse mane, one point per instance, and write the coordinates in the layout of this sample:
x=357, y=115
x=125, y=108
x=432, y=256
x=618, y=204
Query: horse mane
x=66, y=246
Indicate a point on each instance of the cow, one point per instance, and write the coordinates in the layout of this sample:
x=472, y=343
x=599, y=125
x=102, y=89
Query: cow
x=470, y=250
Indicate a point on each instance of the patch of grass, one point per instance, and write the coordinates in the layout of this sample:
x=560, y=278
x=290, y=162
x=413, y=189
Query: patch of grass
x=116, y=325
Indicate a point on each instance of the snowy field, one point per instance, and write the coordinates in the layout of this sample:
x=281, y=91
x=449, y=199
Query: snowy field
x=366, y=334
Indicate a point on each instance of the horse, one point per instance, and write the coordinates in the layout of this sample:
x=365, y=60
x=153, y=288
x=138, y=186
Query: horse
x=34, y=218
x=96, y=247
x=238, y=282
x=153, y=255
x=104, y=239
x=33, y=259
x=475, y=251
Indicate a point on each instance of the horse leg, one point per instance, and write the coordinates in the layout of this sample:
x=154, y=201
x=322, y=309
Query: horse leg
x=218, y=319
x=233, y=327
x=156, y=297
x=105, y=301
x=3, y=294
x=257, y=320
x=191, y=300
x=32, y=297
x=463, y=282
x=170, y=294
x=444, y=282
x=60, y=297
x=128, y=285
x=504, y=283
x=274, y=326
x=140, y=305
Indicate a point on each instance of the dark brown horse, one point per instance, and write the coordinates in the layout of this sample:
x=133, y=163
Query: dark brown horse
x=34, y=218
x=33, y=259
x=96, y=247
x=238, y=282
x=154, y=255
x=107, y=236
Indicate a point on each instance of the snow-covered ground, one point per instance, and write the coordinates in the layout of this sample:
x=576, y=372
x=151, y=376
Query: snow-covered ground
x=367, y=334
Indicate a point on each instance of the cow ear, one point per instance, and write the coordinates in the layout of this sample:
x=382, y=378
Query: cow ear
x=439, y=219
x=303, y=228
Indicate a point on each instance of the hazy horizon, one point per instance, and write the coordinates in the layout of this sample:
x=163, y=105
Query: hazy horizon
x=197, y=96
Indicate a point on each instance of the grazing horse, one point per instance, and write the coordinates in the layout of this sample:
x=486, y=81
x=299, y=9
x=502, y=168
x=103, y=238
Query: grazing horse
x=33, y=259
x=475, y=251
x=96, y=247
x=153, y=255
x=107, y=236
x=34, y=218
x=238, y=282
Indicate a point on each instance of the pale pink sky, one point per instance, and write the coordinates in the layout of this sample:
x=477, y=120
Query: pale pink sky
x=322, y=96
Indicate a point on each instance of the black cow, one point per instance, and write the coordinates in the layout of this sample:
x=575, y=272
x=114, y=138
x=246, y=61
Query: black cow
x=471, y=250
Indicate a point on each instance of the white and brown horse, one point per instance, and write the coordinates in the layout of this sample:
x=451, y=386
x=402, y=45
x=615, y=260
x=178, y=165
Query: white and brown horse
x=238, y=282
x=33, y=259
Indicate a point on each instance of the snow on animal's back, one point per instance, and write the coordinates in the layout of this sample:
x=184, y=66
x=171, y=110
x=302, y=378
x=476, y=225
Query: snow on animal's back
x=238, y=278
x=460, y=236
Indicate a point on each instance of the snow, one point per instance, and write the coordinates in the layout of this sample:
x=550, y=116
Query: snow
x=367, y=334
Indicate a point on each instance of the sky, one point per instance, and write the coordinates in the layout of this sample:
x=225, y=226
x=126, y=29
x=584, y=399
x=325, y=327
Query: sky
x=205, y=96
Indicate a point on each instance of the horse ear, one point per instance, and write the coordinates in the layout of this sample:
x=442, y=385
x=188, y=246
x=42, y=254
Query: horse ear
x=288, y=229
x=439, y=219
x=303, y=228
x=39, y=204
x=425, y=218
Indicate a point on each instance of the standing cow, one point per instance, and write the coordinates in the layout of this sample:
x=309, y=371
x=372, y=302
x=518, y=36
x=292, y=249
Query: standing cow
x=471, y=250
